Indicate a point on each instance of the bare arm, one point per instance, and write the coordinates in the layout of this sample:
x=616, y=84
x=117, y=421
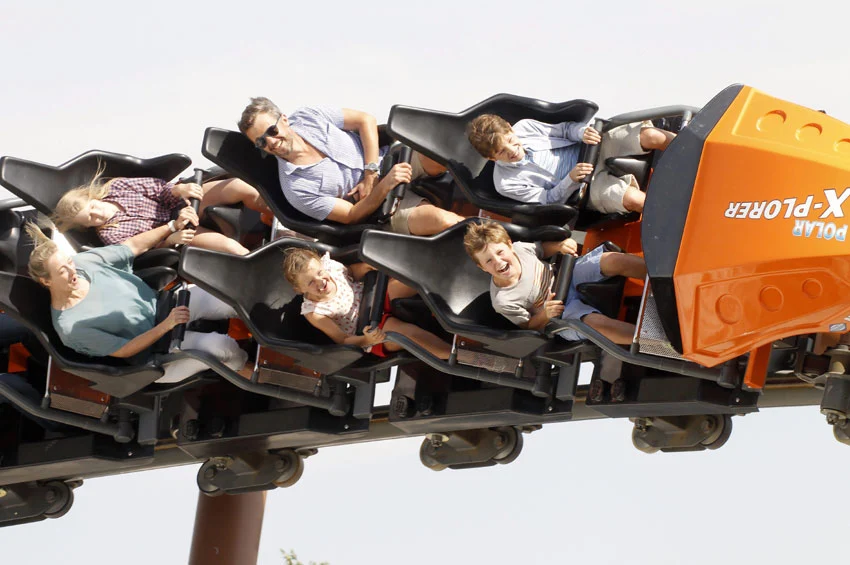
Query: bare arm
x=141, y=242
x=157, y=237
x=330, y=329
x=179, y=315
x=367, y=127
x=538, y=321
x=551, y=309
x=565, y=247
x=345, y=212
x=359, y=270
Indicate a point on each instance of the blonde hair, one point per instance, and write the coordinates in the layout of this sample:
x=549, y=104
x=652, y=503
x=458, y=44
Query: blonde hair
x=477, y=237
x=485, y=134
x=63, y=217
x=297, y=259
x=43, y=250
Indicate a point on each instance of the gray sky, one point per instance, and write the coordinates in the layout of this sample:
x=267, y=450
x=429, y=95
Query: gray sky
x=146, y=79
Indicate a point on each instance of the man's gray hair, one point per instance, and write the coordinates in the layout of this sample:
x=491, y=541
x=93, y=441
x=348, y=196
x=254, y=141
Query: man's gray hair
x=258, y=105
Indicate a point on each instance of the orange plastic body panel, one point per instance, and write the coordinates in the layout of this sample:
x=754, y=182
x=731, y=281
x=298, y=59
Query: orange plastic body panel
x=626, y=235
x=764, y=252
x=756, y=373
x=238, y=330
x=18, y=355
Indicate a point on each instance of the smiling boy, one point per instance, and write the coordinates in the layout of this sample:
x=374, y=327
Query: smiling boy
x=521, y=287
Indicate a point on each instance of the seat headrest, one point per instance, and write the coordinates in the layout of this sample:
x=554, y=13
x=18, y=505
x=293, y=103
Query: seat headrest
x=15, y=246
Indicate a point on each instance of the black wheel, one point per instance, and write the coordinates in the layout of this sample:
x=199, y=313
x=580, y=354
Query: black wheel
x=205, y=483
x=294, y=469
x=841, y=433
x=721, y=434
x=210, y=490
x=63, y=499
x=640, y=443
x=513, y=446
x=426, y=456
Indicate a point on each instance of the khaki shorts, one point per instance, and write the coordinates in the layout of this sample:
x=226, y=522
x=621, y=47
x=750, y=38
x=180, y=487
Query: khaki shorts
x=400, y=221
x=607, y=190
x=418, y=171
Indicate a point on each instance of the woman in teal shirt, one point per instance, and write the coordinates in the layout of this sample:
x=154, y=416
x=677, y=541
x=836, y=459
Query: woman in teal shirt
x=100, y=308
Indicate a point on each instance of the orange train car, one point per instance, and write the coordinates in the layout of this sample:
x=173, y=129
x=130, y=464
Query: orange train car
x=745, y=228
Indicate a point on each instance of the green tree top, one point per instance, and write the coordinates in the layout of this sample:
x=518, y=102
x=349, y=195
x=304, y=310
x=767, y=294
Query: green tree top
x=291, y=559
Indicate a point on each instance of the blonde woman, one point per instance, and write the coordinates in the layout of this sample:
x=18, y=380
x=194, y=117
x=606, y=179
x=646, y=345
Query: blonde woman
x=120, y=208
x=100, y=308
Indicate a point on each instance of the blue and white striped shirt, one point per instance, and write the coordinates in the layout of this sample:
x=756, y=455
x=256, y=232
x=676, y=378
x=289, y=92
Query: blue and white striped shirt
x=313, y=189
x=542, y=175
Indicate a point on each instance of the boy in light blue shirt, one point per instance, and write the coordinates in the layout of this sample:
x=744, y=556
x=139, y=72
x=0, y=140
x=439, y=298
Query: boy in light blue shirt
x=538, y=162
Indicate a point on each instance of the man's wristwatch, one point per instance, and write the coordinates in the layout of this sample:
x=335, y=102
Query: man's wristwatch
x=172, y=226
x=374, y=166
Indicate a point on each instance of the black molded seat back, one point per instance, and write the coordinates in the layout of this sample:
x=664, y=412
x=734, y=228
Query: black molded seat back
x=442, y=137
x=234, y=152
x=15, y=246
x=256, y=288
x=41, y=186
x=455, y=289
x=375, y=286
x=29, y=303
x=605, y=295
x=637, y=165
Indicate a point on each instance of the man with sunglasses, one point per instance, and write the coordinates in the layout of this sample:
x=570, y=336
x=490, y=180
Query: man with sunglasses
x=328, y=161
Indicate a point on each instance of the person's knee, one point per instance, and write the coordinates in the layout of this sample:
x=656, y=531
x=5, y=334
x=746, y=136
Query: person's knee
x=215, y=241
x=610, y=263
x=431, y=167
x=446, y=219
x=652, y=138
x=655, y=139
x=227, y=244
x=234, y=247
x=633, y=200
x=226, y=350
x=427, y=219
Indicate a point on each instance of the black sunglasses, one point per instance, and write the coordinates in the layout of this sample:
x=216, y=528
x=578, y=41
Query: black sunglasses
x=260, y=142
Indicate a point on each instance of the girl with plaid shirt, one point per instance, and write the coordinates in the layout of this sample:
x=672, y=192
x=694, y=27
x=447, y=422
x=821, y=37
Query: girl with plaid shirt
x=120, y=208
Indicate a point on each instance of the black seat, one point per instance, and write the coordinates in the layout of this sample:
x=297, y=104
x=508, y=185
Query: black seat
x=15, y=249
x=606, y=295
x=637, y=165
x=453, y=287
x=29, y=303
x=256, y=288
x=442, y=137
x=41, y=186
x=234, y=152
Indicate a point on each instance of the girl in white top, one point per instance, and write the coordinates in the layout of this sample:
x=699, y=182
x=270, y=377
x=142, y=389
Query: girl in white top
x=332, y=295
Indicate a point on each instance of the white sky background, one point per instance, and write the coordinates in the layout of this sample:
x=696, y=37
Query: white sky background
x=148, y=78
